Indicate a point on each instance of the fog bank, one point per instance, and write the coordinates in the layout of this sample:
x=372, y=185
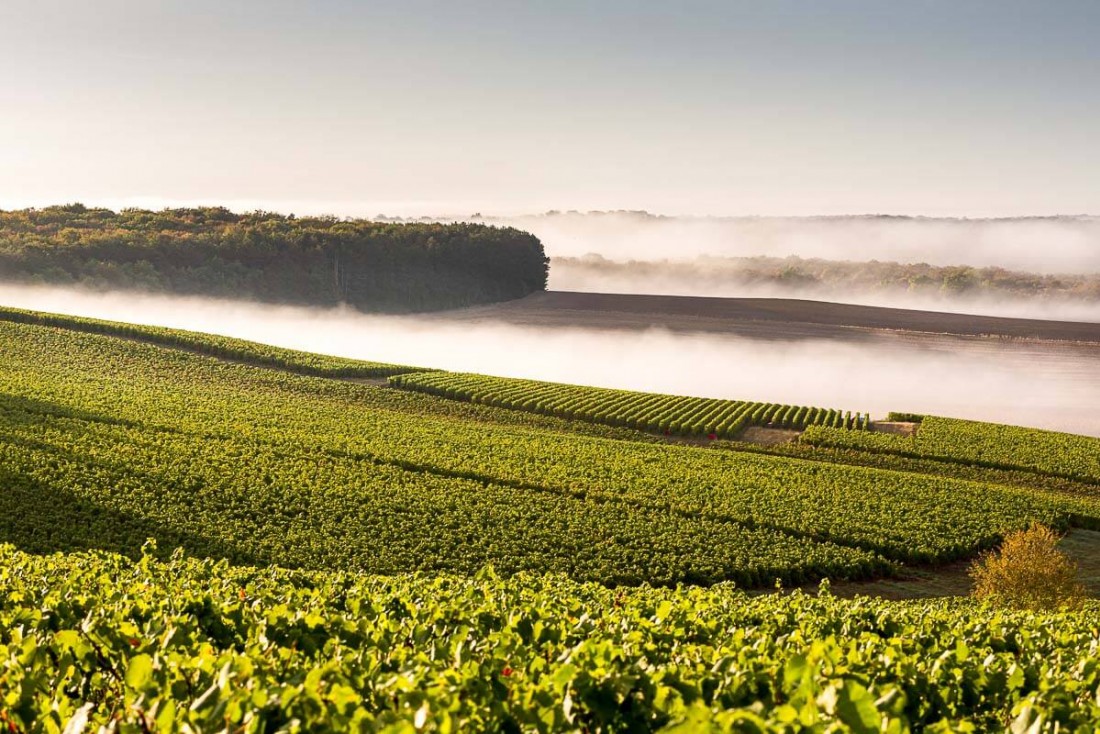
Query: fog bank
x=1038, y=244
x=854, y=283
x=1046, y=386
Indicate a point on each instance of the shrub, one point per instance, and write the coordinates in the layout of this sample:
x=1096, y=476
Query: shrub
x=1029, y=572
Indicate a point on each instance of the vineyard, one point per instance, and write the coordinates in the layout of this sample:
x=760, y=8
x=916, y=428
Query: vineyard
x=121, y=441
x=655, y=413
x=304, y=363
x=980, y=444
x=90, y=640
x=408, y=561
x=687, y=206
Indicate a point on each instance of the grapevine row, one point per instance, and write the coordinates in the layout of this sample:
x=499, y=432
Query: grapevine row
x=979, y=444
x=655, y=413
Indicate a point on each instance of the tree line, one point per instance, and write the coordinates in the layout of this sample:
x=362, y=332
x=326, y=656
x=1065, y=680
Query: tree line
x=211, y=251
x=839, y=276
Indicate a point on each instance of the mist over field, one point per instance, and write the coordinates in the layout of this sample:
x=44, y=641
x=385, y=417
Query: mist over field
x=1029, y=267
x=1072, y=298
x=1046, y=245
x=1041, y=385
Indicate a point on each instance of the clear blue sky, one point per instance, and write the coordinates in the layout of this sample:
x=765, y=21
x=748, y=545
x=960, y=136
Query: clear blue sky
x=769, y=107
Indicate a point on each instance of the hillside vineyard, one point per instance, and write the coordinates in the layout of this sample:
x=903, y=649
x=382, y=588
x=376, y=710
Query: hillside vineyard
x=332, y=549
x=669, y=414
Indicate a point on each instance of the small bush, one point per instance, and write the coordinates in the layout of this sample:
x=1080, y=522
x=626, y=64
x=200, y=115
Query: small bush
x=1029, y=572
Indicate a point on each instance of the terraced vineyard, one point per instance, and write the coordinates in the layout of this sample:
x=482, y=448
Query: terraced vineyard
x=981, y=444
x=90, y=640
x=667, y=414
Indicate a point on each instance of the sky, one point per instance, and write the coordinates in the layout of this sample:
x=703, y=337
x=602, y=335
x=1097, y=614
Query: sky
x=778, y=107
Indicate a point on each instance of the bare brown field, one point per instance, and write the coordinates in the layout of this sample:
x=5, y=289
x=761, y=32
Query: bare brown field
x=764, y=318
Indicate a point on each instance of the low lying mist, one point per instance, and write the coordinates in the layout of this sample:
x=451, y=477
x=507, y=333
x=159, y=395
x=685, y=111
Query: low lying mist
x=1031, y=384
x=955, y=289
x=1035, y=244
x=1054, y=261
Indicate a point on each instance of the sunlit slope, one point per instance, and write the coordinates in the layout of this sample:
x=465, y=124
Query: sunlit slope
x=970, y=443
x=668, y=414
x=106, y=442
x=145, y=646
x=291, y=360
x=981, y=444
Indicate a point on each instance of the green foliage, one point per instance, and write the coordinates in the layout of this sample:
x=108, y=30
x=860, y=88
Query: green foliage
x=270, y=257
x=642, y=411
x=263, y=467
x=1069, y=492
x=305, y=363
x=1028, y=571
x=191, y=645
x=980, y=444
x=121, y=441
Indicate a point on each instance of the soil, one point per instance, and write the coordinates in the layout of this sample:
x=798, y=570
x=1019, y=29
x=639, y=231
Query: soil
x=376, y=381
x=764, y=318
x=767, y=436
x=900, y=428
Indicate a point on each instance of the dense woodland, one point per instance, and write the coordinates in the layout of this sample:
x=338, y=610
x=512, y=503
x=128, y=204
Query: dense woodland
x=212, y=251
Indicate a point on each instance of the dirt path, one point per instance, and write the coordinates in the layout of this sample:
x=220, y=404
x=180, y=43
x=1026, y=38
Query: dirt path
x=898, y=428
x=763, y=436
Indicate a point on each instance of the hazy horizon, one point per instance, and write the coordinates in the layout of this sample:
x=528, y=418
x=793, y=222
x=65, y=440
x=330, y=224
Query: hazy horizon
x=721, y=108
x=1042, y=267
x=432, y=211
